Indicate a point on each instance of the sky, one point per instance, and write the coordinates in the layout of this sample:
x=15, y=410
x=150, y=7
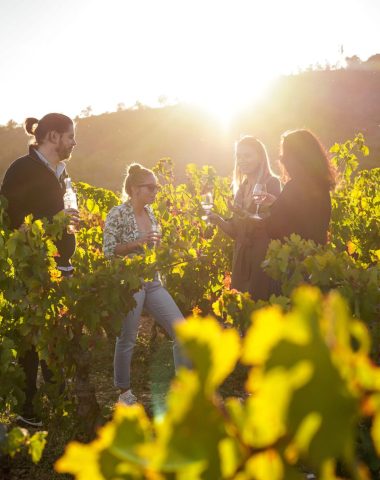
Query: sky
x=66, y=55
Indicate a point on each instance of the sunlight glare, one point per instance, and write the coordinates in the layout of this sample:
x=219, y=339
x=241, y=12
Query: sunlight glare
x=217, y=55
x=231, y=97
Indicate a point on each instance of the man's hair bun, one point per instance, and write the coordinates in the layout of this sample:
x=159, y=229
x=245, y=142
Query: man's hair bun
x=30, y=125
x=51, y=122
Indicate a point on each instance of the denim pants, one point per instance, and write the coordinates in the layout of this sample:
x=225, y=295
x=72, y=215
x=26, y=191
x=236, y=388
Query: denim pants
x=161, y=306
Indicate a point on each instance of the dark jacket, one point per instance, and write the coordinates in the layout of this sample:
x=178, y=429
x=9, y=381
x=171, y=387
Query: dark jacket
x=303, y=208
x=31, y=187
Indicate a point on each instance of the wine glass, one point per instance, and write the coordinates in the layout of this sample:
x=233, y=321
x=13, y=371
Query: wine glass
x=207, y=203
x=259, y=194
x=156, y=228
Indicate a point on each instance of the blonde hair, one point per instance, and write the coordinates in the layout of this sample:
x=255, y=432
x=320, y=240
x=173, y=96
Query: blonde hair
x=135, y=175
x=259, y=148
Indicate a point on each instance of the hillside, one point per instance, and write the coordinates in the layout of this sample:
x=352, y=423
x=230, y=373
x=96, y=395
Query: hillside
x=335, y=104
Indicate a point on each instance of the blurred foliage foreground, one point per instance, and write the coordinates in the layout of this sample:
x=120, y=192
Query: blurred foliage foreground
x=310, y=383
x=311, y=402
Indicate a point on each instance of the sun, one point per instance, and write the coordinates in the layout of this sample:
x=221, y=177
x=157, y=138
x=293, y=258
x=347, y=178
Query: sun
x=231, y=96
x=219, y=55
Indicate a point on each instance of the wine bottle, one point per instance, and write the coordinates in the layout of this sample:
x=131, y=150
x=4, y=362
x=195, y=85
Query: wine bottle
x=70, y=201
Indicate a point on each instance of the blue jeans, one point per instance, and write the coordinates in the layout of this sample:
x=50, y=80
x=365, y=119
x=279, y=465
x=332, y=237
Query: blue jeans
x=161, y=306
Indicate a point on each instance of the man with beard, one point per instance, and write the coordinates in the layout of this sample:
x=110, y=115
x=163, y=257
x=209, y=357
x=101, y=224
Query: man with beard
x=35, y=184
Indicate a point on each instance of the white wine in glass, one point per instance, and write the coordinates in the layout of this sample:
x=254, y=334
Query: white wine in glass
x=259, y=194
x=156, y=228
x=207, y=203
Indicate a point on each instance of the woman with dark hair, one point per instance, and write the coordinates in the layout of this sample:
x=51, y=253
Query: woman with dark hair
x=127, y=228
x=304, y=205
x=251, y=169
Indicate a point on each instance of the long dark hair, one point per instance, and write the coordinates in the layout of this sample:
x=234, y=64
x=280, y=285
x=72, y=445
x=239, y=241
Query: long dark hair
x=304, y=158
x=259, y=148
x=56, y=122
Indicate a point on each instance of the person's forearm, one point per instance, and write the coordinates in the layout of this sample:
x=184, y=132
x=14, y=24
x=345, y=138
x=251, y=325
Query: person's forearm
x=227, y=227
x=126, y=248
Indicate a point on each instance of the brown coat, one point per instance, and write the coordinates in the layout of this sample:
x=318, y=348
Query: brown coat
x=250, y=249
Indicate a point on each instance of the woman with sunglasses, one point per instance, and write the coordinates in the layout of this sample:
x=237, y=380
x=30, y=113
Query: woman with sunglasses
x=127, y=228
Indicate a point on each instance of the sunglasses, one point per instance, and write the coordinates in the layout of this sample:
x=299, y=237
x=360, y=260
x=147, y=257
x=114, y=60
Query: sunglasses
x=152, y=187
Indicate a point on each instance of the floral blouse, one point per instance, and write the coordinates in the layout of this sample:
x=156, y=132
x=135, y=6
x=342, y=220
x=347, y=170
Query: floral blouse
x=121, y=226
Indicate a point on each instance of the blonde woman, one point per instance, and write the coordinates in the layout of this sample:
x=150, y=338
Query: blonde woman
x=252, y=169
x=127, y=228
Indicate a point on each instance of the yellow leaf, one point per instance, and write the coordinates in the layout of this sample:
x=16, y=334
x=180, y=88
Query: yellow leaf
x=230, y=456
x=266, y=410
x=269, y=327
x=328, y=469
x=303, y=437
x=351, y=247
x=375, y=432
x=213, y=350
x=265, y=466
x=80, y=460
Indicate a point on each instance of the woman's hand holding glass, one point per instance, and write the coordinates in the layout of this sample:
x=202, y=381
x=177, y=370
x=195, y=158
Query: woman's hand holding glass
x=259, y=193
x=268, y=200
x=150, y=238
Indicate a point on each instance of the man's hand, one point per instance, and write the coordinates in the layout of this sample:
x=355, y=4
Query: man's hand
x=74, y=217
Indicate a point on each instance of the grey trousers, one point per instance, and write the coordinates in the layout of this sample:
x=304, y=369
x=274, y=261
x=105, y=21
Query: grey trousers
x=159, y=303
